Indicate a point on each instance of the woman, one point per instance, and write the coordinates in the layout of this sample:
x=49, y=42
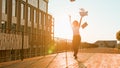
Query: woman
x=76, y=37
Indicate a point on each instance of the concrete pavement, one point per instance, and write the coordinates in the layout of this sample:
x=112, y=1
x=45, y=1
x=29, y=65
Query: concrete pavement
x=66, y=60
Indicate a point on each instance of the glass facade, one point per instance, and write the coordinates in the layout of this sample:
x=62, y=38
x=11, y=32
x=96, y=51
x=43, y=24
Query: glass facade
x=26, y=20
x=4, y=16
x=27, y=15
x=33, y=3
x=24, y=0
x=4, y=6
x=40, y=25
x=35, y=22
x=43, y=5
x=22, y=11
x=13, y=7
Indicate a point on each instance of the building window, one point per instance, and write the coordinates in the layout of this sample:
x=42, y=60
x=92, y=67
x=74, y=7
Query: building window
x=44, y=19
x=42, y=5
x=14, y=11
x=22, y=17
x=4, y=6
x=40, y=25
x=13, y=7
x=29, y=17
x=34, y=16
x=22, y=11
x=35, y=23
x=33, y=3
x=29, y=14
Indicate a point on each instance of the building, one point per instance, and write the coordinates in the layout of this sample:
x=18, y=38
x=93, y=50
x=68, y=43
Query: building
x=25, y=25
x=106, y=43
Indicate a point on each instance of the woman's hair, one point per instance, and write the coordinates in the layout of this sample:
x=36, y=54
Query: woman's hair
x=75, y=23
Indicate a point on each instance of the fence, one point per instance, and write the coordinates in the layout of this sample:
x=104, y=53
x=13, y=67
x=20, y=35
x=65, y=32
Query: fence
x=21, y=45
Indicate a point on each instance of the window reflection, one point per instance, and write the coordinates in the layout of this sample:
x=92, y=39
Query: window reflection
x=4, y=6
x=29, y=16
x=40, y=26
x=22, y=11
x=34, y=16
x=42, y=5
x=35, y=23
x=14, y=19
x=44, y=20
x=22, y=17
x=13, y=7
x=33, y=2
x=28, y=13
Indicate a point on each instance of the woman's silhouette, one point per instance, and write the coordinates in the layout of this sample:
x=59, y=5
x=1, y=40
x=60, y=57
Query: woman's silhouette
x=76, y=34
x=76, y=37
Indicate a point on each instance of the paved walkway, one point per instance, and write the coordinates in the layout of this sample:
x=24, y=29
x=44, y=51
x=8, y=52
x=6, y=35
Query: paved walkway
x=66, y=60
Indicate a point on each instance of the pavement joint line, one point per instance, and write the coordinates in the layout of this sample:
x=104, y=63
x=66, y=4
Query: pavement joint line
x=88, y=57
x=12, y=63
x=21, y=62
x=28, y=65
x=81, y=63
x=51, y=61
x=34, y=62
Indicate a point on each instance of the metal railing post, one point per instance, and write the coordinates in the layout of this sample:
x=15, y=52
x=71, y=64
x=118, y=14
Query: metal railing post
x=22, y=46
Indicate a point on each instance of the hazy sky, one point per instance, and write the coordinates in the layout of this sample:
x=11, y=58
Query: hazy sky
x=103, y=18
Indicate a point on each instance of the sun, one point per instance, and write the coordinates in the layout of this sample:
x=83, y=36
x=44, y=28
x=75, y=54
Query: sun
x=62, y=26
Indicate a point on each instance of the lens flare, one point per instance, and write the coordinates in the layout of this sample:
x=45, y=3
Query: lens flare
x=51, y=49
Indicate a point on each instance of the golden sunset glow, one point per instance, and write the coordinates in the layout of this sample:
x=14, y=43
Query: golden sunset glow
x=59, y=34
x=100, y=19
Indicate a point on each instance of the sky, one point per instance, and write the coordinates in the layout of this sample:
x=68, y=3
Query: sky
x=103, y=18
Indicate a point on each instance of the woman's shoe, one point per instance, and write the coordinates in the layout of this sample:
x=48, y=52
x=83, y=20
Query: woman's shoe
x=75, y=56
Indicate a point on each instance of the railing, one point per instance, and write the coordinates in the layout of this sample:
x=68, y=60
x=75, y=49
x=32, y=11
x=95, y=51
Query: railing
x=17, y=45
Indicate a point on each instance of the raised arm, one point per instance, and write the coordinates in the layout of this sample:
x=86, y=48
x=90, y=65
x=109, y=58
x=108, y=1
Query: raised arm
x=80, y=21
x=70, y=21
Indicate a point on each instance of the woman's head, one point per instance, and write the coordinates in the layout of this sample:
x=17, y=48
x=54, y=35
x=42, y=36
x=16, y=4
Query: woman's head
x=75, y=23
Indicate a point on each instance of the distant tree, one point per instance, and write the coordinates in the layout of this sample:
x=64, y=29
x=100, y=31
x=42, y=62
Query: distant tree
x=118, y=38
x=118, y=35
